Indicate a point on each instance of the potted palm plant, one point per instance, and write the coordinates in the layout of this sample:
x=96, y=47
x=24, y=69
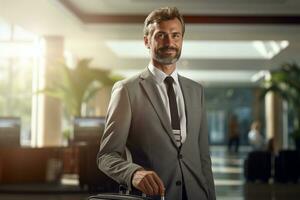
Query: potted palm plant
x=285, y=82
x=76, y=86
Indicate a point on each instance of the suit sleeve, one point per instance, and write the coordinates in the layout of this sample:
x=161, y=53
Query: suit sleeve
x=204, y=151
x=113, y=143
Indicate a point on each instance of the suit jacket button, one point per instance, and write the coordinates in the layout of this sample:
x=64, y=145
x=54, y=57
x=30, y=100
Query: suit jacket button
x=178, y=183
x=180, y=156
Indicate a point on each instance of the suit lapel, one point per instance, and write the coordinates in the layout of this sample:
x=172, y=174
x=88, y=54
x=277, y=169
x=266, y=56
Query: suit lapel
x=153, y=95
x=185, y=88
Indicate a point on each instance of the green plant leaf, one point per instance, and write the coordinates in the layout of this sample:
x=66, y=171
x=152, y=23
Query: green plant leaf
x=77, y=85
x=285, y=82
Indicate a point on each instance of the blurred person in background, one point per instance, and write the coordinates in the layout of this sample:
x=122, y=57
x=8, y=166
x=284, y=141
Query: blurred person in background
x=255, y=137
x=233, y=134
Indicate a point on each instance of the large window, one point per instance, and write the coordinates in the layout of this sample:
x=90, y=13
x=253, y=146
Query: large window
x=225, y=101
x=17, y=51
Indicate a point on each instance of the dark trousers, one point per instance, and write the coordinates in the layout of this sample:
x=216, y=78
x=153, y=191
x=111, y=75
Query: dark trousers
x=234, y=141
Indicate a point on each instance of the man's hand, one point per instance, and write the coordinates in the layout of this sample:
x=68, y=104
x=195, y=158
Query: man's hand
x=148, y=182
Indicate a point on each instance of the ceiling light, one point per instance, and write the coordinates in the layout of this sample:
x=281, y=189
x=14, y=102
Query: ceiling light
x=194, y=49
x=262, y=74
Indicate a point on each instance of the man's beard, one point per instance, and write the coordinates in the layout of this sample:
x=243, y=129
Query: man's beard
x=169, y=59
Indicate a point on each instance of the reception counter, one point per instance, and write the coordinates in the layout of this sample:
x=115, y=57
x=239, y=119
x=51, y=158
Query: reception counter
x=30, y=165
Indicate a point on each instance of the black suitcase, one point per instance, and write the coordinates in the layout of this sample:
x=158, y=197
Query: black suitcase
x=117, y=197
x=124, y=194
x=287, y=165
x=257, y=166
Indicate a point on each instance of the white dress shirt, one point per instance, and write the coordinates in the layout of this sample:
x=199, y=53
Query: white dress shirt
x=159, y=77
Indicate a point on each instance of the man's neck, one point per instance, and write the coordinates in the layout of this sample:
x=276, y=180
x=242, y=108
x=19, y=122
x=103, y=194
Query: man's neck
x=167, y=69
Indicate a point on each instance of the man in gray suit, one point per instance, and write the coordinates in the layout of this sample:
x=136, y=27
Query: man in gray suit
x=159, y=116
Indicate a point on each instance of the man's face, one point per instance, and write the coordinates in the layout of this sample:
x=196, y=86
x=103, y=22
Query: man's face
x=165, y=41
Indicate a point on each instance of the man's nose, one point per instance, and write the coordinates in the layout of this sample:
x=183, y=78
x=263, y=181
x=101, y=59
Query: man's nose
x=168, y=39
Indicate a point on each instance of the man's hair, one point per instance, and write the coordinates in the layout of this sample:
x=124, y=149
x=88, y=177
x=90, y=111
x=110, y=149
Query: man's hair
x=162, y=14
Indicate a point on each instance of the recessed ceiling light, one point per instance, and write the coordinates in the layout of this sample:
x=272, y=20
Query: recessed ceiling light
x=194, y=49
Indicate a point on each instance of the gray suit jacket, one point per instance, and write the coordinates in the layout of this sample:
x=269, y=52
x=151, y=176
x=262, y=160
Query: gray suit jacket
x=137, y=119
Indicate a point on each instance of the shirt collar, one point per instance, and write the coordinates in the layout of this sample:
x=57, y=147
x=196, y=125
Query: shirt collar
x=160, y=76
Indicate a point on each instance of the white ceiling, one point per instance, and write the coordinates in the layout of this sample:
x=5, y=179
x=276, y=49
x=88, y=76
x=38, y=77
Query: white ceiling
x=192, y=6
x=51, y=17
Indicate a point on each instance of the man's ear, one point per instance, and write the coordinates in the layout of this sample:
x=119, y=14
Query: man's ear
x=146, y=42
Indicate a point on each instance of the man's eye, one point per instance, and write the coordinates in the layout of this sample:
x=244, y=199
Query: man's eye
x=160, y=35
x=176, y=35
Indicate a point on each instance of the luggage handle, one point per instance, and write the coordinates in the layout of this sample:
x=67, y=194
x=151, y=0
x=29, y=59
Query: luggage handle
x=124, y=190
x=162, y=197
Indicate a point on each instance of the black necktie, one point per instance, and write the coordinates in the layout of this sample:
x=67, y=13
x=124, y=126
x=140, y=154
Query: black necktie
x=173, y=104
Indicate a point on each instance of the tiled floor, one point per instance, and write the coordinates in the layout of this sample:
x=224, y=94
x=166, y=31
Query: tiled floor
x=228, y=174
x=231, y=185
